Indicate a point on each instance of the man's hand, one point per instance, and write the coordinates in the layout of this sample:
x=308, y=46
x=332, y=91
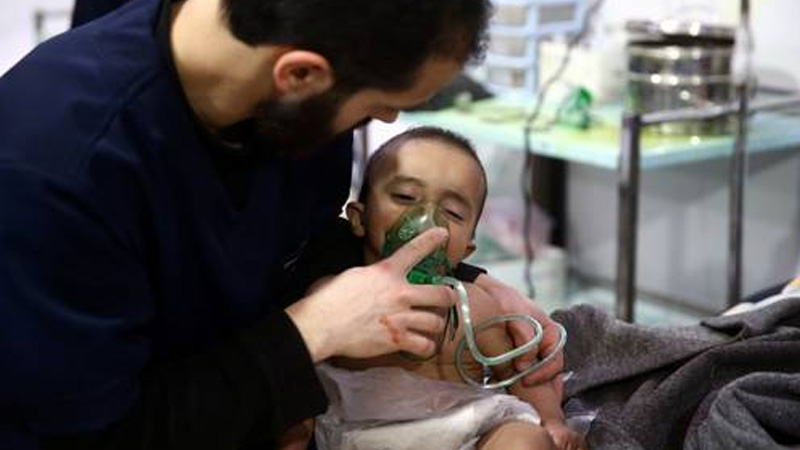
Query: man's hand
x=371, y=311
x=512, y=302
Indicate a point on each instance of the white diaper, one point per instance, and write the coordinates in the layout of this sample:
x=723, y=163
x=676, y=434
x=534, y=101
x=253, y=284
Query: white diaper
x=389, y=408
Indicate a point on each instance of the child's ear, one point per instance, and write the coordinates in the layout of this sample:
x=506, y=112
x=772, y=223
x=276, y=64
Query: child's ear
x=355, y=214
x=470, y=249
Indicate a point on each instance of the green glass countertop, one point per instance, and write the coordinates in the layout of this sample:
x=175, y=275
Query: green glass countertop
x=495, y=122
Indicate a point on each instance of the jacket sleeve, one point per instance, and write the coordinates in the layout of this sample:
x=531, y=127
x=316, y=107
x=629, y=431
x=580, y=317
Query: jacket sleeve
x=241, y=394
x=76, y=351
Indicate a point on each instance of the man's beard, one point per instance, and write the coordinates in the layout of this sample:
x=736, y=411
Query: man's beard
x=295, y=129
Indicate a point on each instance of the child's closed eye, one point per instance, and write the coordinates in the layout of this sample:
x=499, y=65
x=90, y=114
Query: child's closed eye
x=403, y=198
x=453, y=214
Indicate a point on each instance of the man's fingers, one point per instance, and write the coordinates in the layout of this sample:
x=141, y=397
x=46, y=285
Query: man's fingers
x=550, y=369
x=418, y=345
x=521, y=334
x=418, y=248
x=428, y=323
x=552, y=336
x=416, y=331
x=432, y=296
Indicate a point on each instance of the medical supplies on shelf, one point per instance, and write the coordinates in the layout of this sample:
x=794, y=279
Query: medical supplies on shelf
x=515, y=30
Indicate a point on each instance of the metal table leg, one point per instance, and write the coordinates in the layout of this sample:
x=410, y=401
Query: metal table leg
x=628, y=215
x=738, y=174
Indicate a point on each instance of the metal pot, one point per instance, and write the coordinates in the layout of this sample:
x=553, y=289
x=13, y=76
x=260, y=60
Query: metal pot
x=675, y=65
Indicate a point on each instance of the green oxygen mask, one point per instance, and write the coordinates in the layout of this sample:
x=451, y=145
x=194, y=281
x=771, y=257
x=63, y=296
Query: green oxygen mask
x=411, y=224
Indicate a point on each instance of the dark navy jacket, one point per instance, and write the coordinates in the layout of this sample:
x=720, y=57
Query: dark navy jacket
x=119, y=247
x=87, y=10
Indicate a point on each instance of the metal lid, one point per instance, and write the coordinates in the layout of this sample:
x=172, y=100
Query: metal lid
x=669, y=28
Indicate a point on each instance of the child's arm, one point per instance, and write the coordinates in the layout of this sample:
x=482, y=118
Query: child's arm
x=512, y=301
x=546, y=398
x=494, y=341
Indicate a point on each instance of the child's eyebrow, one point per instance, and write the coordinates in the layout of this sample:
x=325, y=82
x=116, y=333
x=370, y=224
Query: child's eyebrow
x=403, y=179
x=449, y=193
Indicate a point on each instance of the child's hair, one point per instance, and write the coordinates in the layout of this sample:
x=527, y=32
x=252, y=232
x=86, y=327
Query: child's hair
x=448, y=137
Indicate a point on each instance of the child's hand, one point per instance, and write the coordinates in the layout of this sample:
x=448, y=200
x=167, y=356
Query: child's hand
x=513, y=302
x=565, y=438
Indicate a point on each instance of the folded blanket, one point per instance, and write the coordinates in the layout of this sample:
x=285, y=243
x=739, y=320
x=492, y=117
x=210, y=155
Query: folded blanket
x=729, y=382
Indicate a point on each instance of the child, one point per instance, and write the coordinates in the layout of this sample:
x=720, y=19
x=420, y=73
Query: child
x=389, y=401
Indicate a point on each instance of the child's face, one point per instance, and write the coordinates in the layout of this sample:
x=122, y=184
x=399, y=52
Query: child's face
x=424, y=172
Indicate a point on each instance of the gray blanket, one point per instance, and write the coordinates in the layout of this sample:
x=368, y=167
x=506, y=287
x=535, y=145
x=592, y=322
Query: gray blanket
x=728, y=383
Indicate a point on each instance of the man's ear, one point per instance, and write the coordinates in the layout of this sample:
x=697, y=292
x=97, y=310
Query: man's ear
x=355, y=214
x=299, y=74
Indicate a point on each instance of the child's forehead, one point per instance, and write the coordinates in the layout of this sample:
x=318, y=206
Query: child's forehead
x=424, y=150
x=423, y=161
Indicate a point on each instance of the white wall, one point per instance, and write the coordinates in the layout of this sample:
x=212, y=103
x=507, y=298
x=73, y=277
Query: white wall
x=777, y=45
x=17, y=33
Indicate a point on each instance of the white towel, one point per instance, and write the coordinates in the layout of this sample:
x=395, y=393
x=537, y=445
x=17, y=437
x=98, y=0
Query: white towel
x=390, y=408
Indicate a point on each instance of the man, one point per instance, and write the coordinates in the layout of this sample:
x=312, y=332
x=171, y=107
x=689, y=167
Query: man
x=87, y=10
x=160, y=170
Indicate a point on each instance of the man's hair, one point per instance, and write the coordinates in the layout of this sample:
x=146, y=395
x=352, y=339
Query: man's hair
x=378, y=44
x=450, y=138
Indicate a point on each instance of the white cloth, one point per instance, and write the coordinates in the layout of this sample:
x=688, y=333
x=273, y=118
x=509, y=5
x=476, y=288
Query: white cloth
x=791, y=290
x=389, y=408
